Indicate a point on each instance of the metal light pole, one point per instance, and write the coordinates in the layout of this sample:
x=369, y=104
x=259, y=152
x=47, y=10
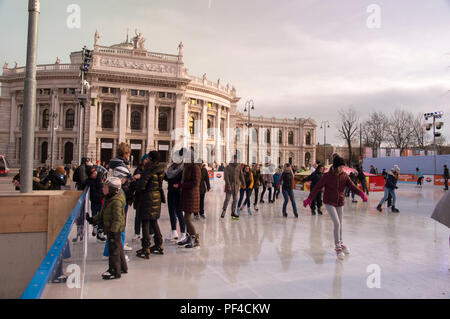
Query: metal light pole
x=52, y=133
x=249, y=105
x=434, y=115
x=29, y=105
x=324, y=125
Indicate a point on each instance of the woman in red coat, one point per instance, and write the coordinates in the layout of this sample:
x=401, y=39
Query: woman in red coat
x=335, y=182
x=190, y=200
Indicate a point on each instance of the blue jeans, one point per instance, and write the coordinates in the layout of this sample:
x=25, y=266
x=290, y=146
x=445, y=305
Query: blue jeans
x=248, y=193
x=289, y=194
x=388, y=191
x=174, y=202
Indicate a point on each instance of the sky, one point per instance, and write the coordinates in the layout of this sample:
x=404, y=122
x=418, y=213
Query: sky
x=294, y=58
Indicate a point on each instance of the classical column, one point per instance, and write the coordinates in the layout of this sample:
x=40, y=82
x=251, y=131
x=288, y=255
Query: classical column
x=218, y=151
x=227, y=140
x=151, y=121
x=128, y=116
x=181, y=113
x=99, y=114
x=204, y=128
x=92, y=129
x=123, y=115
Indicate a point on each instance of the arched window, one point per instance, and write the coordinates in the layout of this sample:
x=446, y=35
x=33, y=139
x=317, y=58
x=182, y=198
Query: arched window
x=191, y=125
x=308, y=138
x=107, y=119
x=291, y=138
x=135, y=120
x=70, y=118
x=68, y=153
x=45, y=118
x=44, y=152
x=268, y=136
x=307, y=159
x=163, y=122
x=280, y=137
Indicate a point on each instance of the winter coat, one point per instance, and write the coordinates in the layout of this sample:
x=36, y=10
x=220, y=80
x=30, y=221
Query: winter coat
x=287, y=180
x=233, y=178
x=334, y=188
x=118, y=161
x=361, y=177
x=248, y=180
x=391, y=181
x=150, y=192
x=441, y=212
x=314, y=178
x=56, y=180
x=190, y=188
x=112, y=213
x=446, y=174
x=96, y=189
x=276, y=180
x=133, y=186
x=80, y=176
x=267, y=180
x=257, y=178
x=173, y=176
x=204, y=181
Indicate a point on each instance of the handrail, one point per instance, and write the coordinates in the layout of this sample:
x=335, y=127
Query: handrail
x=42, y=275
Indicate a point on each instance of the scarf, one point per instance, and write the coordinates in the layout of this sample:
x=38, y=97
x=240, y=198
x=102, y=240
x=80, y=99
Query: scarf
x=174, y=170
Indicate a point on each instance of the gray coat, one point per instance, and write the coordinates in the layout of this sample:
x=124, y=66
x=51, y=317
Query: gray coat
x=233, y=178
x=441, y=212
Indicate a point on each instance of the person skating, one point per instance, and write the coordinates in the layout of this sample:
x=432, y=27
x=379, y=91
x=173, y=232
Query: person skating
x=113, y=217
x=246, y=189
x=389, y=189
x=354, y=178
x=151, y=196
x=446, y=176
x=362, y=178
x=95, y=183
x=137, y=174
x=335, y=181
x=419, y=177
x=276, y=184
x=257, y=179
x=205, y=187
x=233, y=179
x=314, y=178
x=190, y=200
x=287, y=180
x=173, y=178
x=267, y=182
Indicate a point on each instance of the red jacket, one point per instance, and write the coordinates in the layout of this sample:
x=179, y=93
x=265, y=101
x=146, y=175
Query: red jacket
x=334, y=188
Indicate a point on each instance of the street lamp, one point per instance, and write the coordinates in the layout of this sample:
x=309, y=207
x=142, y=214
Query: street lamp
x=325, y=125
x=435, y=125
x=249, y=106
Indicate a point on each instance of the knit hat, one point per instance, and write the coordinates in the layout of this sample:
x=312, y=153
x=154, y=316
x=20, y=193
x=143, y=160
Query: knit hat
x=338, y=161
x=144, y=157
x=121, y=172
x=396, y=169
x=92, y=171
x=154, y=156
x=113, y=183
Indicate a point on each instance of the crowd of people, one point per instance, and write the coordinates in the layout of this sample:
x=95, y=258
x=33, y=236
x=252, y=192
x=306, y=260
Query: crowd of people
x=114, y=188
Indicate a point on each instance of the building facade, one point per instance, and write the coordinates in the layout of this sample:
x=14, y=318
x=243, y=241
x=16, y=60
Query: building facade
x=143, y=98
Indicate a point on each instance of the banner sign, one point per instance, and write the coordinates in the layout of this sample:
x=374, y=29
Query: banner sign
x=439, y=180
x=136, y=146
x=107, y=145
x=211, y=175
x=376, y=183
x=381, y=152
x=367, y=152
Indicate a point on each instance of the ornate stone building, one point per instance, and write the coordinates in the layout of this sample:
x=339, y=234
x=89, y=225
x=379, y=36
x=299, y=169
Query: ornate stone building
x=143, y=98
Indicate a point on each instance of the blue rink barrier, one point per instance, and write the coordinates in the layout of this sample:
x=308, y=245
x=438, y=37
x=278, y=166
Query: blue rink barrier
x=38, y=283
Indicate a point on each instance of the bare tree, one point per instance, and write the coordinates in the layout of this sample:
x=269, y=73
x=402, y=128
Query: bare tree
x=401, y=129
x=376, y=129
x=419, y=136
x=348, y=127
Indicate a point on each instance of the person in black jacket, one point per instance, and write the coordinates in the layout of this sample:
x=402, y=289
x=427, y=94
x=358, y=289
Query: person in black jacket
x=95, y=183
x=314, y=178
x=389, y=188
x=80, y=174
x=173, y=178
x=362, y=179
x=446, y=177
x=204, y=187
x=57, y=178
x=287, y=179
x=136, y=176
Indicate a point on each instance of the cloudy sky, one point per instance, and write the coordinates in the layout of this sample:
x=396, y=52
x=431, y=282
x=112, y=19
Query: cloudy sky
x=294, y=58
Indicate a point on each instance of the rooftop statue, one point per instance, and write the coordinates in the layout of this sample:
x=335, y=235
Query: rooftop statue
x=96, y=37
x=180, y=48
x=138, y=41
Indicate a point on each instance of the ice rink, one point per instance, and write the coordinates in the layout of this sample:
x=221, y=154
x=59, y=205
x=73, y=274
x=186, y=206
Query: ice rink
x=268, y=256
